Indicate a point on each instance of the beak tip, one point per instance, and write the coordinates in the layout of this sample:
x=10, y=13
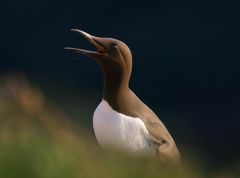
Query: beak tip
x=70, y=49
x=85, y=34
x=74, y=29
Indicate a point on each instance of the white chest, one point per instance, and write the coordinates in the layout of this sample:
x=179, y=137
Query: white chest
x=115, y=129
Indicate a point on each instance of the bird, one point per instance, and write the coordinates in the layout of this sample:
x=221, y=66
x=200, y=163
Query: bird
x=122, y=120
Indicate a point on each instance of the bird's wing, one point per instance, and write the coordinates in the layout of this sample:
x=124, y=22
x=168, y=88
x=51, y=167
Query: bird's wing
x=159, y=136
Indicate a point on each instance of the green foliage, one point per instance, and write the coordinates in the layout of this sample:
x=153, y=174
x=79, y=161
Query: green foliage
x=30, y=154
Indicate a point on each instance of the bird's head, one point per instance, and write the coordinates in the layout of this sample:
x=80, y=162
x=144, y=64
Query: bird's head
x=113, y=55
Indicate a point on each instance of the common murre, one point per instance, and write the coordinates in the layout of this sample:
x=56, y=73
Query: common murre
x=122, y=119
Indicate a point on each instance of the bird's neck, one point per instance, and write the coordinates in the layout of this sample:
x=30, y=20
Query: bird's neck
x=115, y=85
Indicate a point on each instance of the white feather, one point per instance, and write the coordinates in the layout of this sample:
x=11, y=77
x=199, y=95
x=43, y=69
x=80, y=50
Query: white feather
x=118, y=130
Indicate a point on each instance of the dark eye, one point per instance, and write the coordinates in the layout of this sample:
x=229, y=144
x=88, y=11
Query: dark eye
x=114, y=47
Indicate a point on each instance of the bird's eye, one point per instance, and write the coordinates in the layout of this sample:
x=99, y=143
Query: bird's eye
x=114, y=47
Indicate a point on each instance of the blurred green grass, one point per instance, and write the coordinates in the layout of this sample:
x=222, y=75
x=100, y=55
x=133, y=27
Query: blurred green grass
x=39, y=141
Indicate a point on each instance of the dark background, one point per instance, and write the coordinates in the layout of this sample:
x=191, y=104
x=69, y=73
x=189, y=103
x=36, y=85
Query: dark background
x=186, y=62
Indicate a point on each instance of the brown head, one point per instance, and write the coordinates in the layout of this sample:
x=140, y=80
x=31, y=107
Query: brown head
x=115, y=59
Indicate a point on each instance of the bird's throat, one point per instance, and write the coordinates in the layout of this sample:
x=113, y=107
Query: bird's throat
x=114, y=86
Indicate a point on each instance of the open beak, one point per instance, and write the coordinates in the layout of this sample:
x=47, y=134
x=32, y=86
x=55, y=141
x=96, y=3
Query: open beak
x=100, y=50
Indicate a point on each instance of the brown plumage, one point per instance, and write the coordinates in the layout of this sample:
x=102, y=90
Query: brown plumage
x=115, y=59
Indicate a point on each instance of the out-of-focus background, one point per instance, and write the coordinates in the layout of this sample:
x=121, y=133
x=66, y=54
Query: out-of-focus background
x=186, y=64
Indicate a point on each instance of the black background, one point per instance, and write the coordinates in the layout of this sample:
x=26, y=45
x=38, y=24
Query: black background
x=186, y=61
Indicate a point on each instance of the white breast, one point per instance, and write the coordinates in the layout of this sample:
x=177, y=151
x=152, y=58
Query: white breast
x=115, y=129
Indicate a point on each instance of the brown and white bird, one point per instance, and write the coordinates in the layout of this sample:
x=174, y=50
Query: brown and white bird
x=121, y=119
